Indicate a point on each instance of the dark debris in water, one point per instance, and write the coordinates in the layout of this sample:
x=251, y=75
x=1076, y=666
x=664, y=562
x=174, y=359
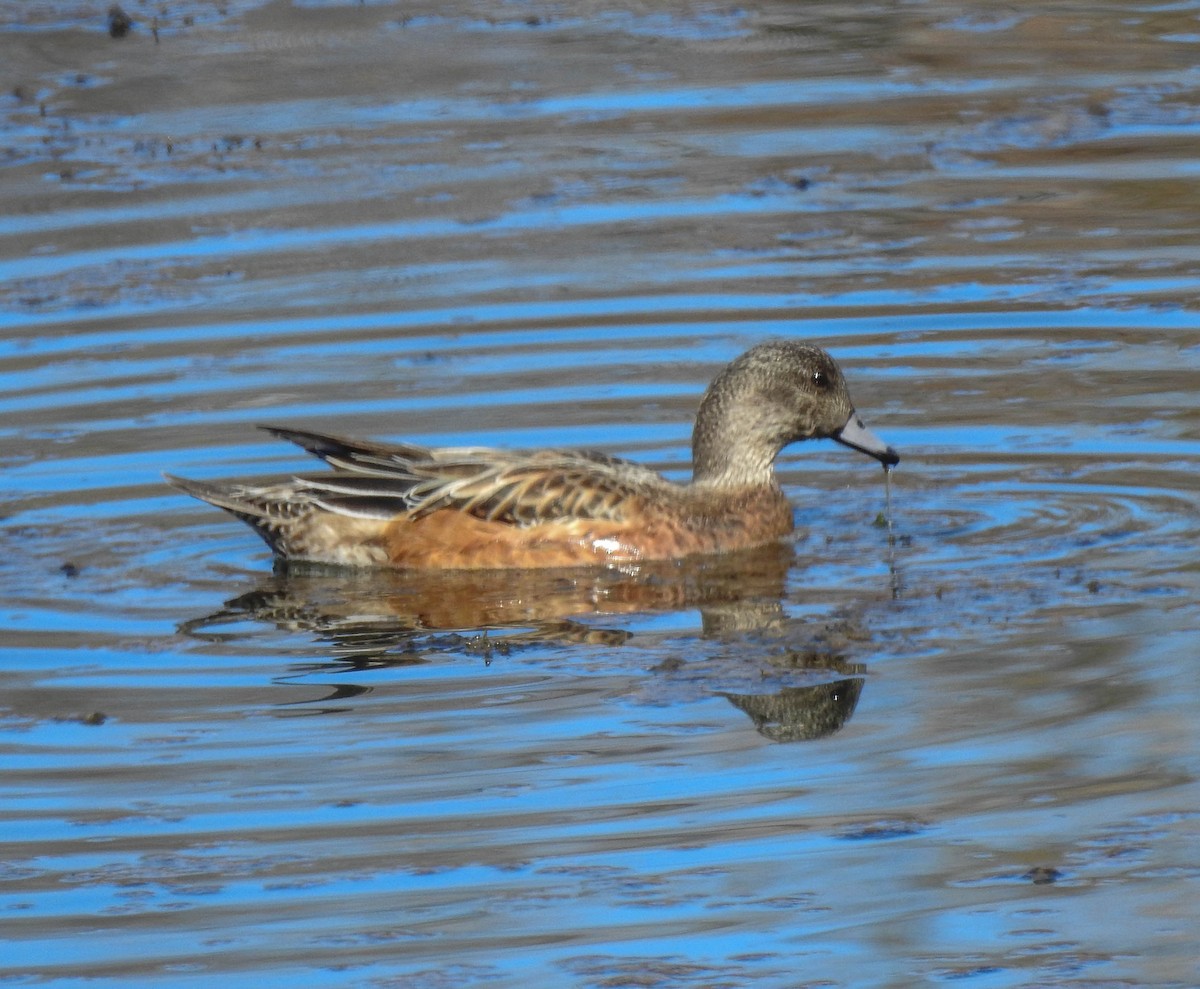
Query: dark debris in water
x=968, y=972
x=882, y=830
x=119, y=22
x=1043, y=875
x=93, y=719
x=624, y=972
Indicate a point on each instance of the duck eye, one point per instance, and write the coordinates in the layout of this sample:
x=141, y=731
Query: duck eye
x=820, y=379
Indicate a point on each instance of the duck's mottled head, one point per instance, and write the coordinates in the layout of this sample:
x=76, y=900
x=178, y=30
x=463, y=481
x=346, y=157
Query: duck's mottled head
x=775, y=394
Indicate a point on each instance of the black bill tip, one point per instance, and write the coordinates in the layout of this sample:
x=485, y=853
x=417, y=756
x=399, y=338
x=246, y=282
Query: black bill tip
x=855, y=435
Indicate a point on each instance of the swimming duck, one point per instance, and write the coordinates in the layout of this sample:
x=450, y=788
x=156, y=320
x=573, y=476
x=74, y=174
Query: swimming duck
x=469, y=508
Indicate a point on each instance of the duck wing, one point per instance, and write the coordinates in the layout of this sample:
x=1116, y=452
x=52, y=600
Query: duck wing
x=523, y=488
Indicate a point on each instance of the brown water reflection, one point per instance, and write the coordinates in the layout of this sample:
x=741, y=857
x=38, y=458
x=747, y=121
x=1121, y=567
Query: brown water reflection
x=370, y=620
x=738, y=590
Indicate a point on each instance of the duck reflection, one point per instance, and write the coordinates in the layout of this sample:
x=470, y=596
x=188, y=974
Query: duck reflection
x=372, y=619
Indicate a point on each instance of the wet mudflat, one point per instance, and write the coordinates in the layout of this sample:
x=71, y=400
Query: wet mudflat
x=947, y=738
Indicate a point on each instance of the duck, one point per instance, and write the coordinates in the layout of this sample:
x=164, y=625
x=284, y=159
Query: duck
x=410, y=507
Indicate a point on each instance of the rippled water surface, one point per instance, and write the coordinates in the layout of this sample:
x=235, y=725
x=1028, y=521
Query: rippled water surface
x=948, y=734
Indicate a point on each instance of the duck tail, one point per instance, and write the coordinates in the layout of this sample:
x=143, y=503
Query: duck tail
x=232, y=498
x=265, y=514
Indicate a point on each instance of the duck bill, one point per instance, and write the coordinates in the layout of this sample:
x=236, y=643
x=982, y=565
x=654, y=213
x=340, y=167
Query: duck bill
x=856, y=436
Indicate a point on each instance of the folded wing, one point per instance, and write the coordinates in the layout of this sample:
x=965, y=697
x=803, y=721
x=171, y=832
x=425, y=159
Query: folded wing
x=383, y=480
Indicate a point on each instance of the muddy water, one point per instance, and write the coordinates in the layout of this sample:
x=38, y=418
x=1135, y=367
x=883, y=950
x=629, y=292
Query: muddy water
x=950, y=739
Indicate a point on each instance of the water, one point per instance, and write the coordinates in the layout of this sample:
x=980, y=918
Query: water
x=945, y=738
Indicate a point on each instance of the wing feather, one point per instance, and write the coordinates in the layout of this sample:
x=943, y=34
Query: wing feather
x=516, y=487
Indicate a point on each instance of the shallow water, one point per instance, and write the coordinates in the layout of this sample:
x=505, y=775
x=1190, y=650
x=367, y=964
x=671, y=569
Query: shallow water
x=949, y=737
